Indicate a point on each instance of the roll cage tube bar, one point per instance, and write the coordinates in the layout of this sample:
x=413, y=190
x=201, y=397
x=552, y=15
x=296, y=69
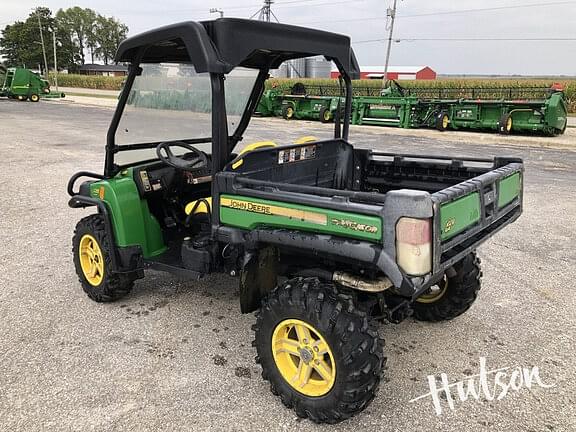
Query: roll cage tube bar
x=222, y=144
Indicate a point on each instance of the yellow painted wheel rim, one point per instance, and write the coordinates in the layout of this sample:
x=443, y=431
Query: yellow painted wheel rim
x=289, y=112
x=326, y=115
x=435, y=292
x=445, y=121
x=509, y=124
x=34, y=98
x=303, y=357
x=91, y=260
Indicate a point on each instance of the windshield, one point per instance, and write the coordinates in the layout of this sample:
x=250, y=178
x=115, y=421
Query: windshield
x=170, y=102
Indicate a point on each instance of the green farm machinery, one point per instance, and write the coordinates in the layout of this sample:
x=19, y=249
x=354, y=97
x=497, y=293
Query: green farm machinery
x=298, y=106
x=455, y=109
x=23, y=84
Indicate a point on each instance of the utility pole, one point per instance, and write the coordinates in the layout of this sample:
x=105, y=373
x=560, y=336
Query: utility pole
x=43, y=47
x=55, y=61
x=391, y=12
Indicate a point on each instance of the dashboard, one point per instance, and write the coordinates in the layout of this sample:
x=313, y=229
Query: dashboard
x=157, y=178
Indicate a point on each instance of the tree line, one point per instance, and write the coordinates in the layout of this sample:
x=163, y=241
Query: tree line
x=82, y=36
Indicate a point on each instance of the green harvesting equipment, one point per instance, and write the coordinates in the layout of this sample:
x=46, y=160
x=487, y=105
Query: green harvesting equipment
x=457, y=109
x=23, y=84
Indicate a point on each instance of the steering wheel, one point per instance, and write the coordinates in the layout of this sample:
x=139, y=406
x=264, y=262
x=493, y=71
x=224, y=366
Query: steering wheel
x=200, y=160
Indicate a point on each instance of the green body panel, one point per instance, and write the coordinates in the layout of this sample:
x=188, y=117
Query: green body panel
x=458, y=215
x=132, y=221
x=23, y=82
x=509, y=188
x=265, y=213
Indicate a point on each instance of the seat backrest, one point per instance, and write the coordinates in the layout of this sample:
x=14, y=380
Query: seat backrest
x=322, y=164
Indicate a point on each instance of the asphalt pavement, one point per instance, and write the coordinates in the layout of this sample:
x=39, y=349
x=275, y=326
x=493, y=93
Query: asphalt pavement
x=177, y=355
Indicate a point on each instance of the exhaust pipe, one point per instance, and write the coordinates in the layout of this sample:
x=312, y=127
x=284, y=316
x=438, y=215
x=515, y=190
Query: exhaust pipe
x=361, y=284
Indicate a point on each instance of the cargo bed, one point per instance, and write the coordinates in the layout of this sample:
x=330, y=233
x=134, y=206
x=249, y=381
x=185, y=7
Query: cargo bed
x=349, y=202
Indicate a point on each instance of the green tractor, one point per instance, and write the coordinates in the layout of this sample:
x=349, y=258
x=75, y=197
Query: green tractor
x=325, y=239
x=23, y=84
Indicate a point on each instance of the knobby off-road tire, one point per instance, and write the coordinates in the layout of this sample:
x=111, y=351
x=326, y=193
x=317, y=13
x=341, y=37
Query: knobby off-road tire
x=353, y=343
x=105, y=286
x=455, y=297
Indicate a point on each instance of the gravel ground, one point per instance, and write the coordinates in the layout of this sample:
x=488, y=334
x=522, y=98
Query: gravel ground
x=176, y=355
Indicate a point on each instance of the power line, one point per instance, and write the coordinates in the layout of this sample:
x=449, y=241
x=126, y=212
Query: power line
x=463, y=11
x=551, y=39
x=284, y=4
x=488, y=9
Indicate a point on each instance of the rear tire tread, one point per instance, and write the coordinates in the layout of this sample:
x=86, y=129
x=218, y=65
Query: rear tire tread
x=462, y=291
x=351, y=333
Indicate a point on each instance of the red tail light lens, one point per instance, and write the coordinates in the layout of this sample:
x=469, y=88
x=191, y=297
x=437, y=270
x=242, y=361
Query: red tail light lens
x=414, y=245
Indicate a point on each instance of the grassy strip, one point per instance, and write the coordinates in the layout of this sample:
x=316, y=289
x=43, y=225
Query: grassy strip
x=92, y=95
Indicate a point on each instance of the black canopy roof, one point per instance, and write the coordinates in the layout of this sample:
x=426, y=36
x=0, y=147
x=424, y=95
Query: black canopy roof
x=223, y=44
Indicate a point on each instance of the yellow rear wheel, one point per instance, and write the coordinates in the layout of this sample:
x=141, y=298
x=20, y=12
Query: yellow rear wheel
x=319, y=351
x=452, y=295
x=34, y=97
x=435, y=292
x=303, y=357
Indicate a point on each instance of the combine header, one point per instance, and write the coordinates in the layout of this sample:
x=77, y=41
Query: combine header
x=495, y=109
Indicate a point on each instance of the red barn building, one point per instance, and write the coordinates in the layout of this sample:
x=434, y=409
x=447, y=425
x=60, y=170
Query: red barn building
x=394, y=72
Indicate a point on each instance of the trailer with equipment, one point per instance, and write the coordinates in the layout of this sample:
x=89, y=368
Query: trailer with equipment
x=442, y=109
x=324, y=239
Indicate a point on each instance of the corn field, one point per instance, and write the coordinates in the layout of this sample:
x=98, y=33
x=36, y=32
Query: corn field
x=89, y=81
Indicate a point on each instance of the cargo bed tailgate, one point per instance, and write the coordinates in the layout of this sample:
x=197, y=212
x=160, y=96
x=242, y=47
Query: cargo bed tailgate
x=468, y=213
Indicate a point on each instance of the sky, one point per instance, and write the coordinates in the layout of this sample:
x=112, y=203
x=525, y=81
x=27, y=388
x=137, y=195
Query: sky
x=425, y=29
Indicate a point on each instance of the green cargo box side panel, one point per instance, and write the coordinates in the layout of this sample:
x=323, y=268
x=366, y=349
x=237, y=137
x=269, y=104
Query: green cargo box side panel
x=458, y=215
x=250, y=213
x=509, y=188
x=132, y=222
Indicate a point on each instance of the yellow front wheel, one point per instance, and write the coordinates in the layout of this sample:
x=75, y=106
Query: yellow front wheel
x=91, y=260
x=92, y=248
x=319, y=352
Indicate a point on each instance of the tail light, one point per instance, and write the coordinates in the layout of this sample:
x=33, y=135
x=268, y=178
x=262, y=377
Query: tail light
x=414, y=245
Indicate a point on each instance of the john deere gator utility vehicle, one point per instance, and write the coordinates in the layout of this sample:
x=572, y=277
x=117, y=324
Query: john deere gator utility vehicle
x=325, y=239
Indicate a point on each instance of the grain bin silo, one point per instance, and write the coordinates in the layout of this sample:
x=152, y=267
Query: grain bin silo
x=318, y=67
x=297, y=68
x=281, y=72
